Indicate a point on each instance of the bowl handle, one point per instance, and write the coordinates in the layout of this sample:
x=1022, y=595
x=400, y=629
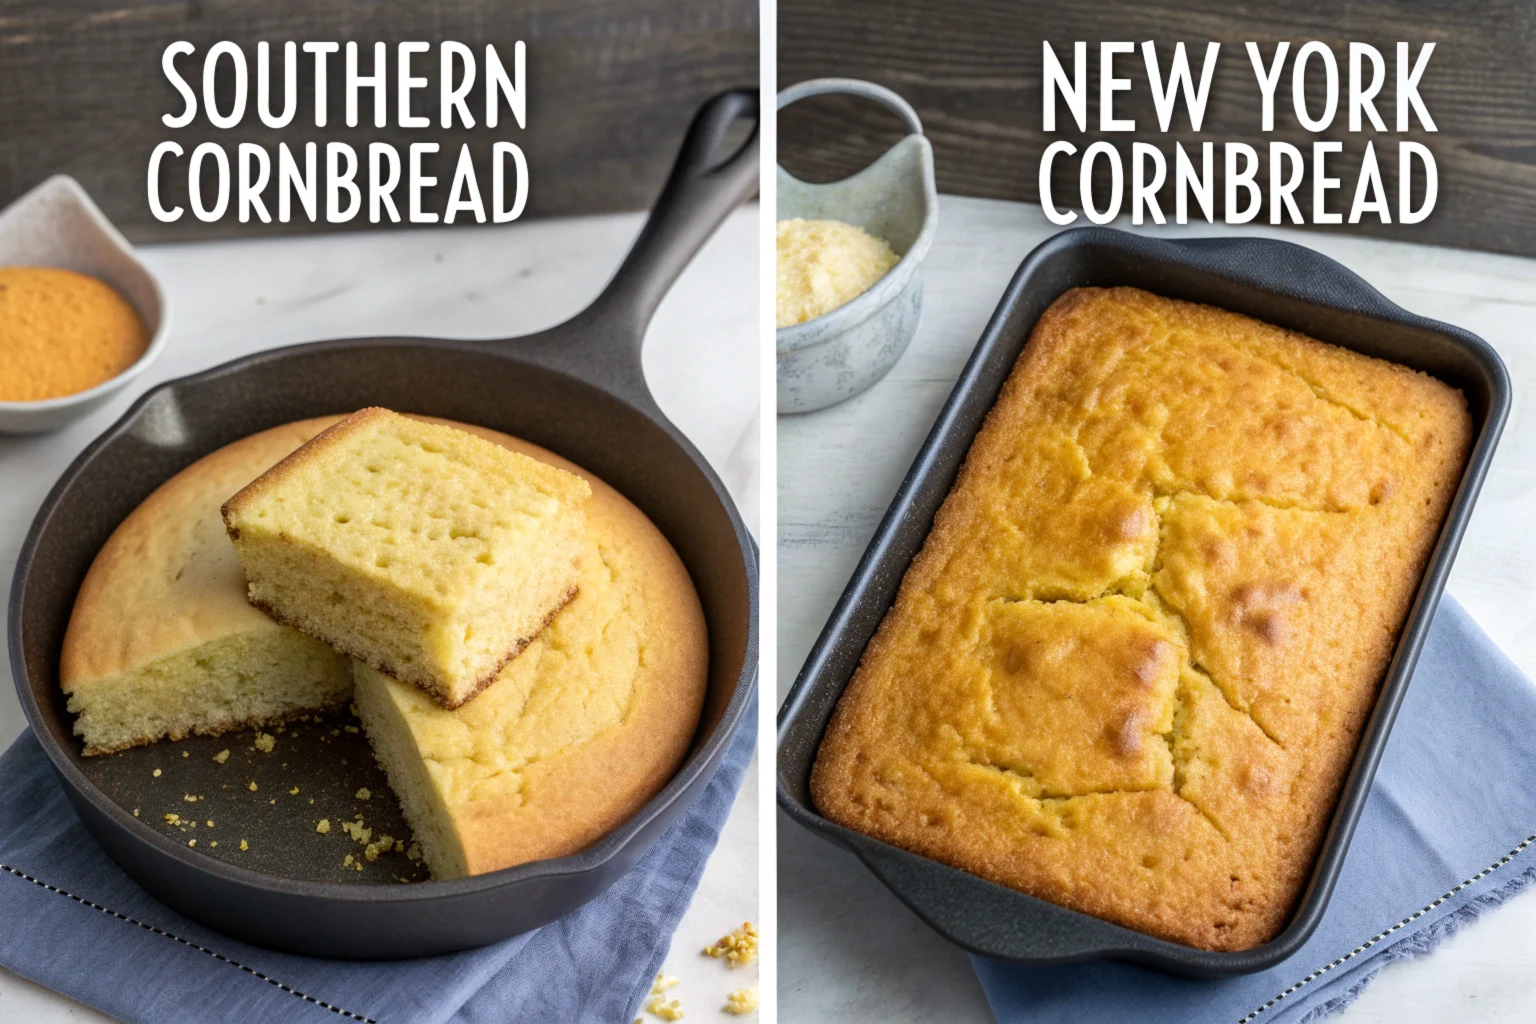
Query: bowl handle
x=853, y=87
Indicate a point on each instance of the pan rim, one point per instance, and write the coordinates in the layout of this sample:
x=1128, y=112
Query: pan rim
x=1315, y=896
x=701, y=760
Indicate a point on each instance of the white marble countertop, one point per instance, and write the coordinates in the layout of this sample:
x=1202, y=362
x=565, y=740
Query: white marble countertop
x=232, y=298
x=848, y=950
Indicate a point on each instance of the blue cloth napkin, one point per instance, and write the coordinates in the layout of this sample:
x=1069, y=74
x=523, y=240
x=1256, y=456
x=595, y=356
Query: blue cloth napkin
x=73, y=921
x=1446, y=835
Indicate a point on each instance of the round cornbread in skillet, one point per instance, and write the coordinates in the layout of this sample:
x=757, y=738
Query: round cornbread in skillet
x=1128, y=670
x=595, y=715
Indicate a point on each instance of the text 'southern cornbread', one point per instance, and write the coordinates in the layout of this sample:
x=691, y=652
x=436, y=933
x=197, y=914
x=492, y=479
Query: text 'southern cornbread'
x=1128, y=669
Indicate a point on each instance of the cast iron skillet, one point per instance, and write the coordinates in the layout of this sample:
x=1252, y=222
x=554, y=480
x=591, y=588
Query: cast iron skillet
x=1273, y=281
x=576, y=389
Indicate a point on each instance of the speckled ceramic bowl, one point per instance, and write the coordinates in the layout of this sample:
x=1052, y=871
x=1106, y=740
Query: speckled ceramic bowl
x=823, y=361
x=57, y=225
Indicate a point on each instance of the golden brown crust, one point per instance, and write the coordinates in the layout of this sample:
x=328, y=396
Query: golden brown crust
x=133, y=607
x=571, y=800
x=1128, y=670
x=340, y=427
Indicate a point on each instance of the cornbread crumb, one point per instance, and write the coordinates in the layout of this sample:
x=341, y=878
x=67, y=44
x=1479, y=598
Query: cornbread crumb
x=414, y=851
x=399, y=845
x=185, y=754
x=738, y=949
x=265, y=742
x=252, y=786
x=324, y=826
x=294, y=791
x=221, y=756
x=173, y=819
x=189, y=798
x=243, y=846
x=363, y=794
x=357, y=830
x=214, y=843
x=135, y=812
x=157, y=773
x=191, y=842
x=346, y=861
x=350, y=728
x=666, y=1009
x=210, y=823
x=742, y=1002
x=659, y=1004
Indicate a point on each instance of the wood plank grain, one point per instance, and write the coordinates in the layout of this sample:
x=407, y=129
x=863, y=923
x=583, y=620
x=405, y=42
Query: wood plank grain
x=972, y=68
x=611, y=84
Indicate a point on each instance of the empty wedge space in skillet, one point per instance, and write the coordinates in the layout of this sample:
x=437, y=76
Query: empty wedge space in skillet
x=162, y=642
x=1128, y=669
x=431, y=554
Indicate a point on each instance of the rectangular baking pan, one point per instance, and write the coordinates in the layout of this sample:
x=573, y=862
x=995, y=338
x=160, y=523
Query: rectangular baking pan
x=1274, y=281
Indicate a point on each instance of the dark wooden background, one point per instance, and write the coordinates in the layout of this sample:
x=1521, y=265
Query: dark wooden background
x=611, y=86
x=972, y=68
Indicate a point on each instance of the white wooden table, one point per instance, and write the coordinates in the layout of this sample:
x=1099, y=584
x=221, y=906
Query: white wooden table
x=232, y=298
x=848, y=950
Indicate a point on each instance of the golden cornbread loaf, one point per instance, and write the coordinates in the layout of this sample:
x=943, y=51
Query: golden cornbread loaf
x=1128, y=669
x=431, y=554
x=577, y=732
x=162, y=642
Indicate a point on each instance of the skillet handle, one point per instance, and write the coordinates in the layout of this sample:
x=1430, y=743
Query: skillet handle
x=702, y=189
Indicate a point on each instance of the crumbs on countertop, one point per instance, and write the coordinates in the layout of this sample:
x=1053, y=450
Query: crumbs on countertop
x=742, y=1002
x=659, y=1005
x=738, y=949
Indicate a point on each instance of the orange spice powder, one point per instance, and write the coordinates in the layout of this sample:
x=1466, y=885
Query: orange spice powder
x=62, y=332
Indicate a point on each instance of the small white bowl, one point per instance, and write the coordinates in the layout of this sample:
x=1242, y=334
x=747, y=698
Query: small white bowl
x=57, y=225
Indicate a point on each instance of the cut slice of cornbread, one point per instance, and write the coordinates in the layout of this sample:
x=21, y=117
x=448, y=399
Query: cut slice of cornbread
x=576, y=733
x=430, y=554
x=162, y=643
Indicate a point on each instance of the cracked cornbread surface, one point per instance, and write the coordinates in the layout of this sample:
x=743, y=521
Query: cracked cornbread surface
x=575, y=733
x=1128, y=669
x=429, y=553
